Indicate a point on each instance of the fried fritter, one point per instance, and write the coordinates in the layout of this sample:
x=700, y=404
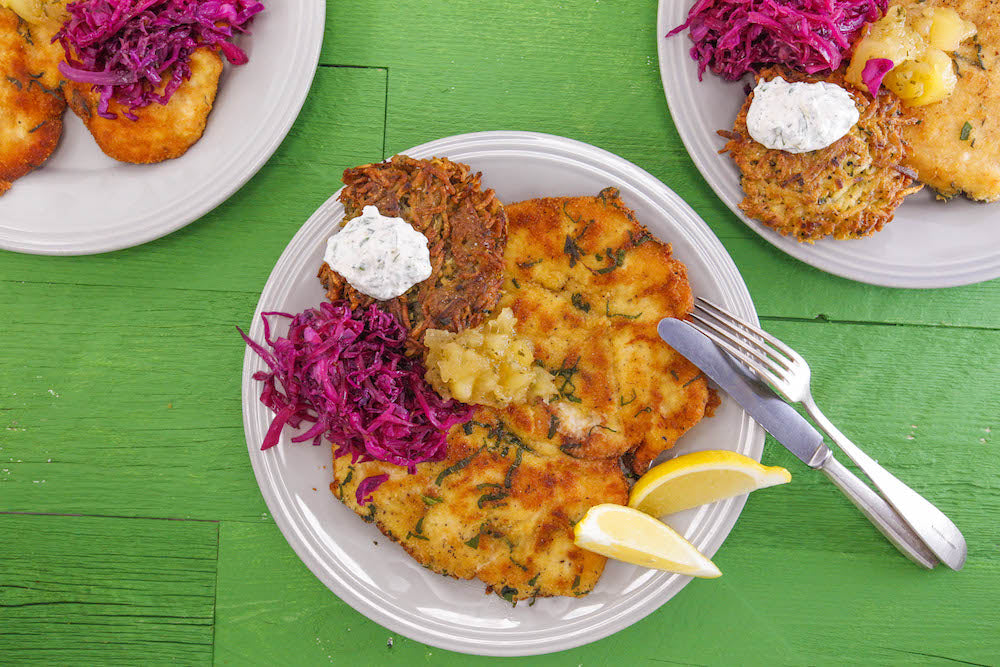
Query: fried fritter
x=466, y=230
x=497, y=509
x=162, y=132
x=31, y=105
x=847, y=190
x=588, y=284
x=940, y=156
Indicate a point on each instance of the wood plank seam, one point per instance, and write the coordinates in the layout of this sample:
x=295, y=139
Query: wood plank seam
x=823, y=319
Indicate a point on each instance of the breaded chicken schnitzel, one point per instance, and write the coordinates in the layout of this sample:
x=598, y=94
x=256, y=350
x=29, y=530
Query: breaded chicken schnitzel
x=588, y=284
x=498, y=508
x=847, y=190
x=162, y=132
x=947, y=155
x=31, y=105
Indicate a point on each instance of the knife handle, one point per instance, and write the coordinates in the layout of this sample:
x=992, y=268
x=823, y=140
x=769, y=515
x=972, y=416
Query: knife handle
x=936, y=530
x=879, y=512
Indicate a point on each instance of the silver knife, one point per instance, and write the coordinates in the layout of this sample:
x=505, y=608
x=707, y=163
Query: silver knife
x=792, y=430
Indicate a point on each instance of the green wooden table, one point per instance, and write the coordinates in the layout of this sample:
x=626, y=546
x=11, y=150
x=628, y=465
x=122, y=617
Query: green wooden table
x=132, y=530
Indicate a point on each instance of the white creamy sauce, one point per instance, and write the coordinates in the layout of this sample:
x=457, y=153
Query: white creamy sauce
x=800, y=117
x=378, y=255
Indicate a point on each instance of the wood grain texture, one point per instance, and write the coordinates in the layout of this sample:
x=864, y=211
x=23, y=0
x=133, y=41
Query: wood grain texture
x=119, y=393
x=842, y=601
x=124, y=403
x=101, y=591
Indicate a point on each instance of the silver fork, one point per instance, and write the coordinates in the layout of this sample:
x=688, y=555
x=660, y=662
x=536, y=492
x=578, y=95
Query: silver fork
x=785, y=370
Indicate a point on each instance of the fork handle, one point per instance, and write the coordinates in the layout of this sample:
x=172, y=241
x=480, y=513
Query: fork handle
x=879, y=512
x=936, y=530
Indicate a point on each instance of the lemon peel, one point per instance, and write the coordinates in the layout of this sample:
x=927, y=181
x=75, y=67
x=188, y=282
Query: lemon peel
x=698, y=478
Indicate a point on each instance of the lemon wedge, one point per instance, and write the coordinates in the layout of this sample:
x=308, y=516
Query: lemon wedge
x=631, y=536
x=701, y=477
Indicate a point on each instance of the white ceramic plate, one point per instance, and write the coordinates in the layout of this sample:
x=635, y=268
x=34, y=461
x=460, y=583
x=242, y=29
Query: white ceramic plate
x=929, y=244
x=384, y=583
x=82, y=202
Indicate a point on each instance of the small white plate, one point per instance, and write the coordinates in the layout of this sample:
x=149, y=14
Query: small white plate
x=928, y=244
x=82, y=202
x=381, y=581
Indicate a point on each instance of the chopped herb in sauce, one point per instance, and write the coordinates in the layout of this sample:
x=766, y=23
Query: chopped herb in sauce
x=579, y=302
x=474, y=542
x=431, y=500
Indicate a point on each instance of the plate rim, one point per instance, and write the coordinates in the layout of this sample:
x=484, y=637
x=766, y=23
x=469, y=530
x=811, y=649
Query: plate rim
x=248, y=160
x=266, y=472
x=682, y=110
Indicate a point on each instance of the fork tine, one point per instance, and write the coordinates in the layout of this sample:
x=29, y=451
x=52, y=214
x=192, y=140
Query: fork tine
x=737, y=352
x=732, y=321
x=753, y=350
x=725, y=327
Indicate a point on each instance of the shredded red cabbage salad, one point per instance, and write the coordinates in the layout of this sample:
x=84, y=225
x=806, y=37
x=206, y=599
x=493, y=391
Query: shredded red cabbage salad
x=126, y=48
x=734, y=37
x=345, y=372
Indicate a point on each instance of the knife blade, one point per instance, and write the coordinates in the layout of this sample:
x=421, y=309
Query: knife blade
x=767, y=409
x=792, y=430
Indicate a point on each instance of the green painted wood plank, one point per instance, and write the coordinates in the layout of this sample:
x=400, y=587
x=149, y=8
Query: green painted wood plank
x=124, y=402
x=785, y=287
x=235, y=246
x=779, y=602
x=104, y=591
